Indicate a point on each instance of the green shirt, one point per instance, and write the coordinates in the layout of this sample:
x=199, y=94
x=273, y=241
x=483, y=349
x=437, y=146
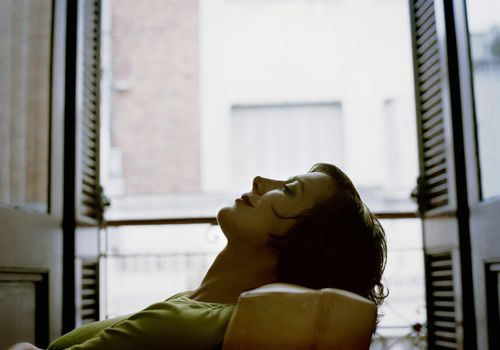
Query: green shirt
x=176, y=323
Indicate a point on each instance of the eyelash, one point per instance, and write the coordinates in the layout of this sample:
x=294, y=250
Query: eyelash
x=286, y=189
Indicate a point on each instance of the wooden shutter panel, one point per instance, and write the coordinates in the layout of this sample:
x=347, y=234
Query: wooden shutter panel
x=442, y=311
x=431, y=109
x=88, y=291
x=88, y=196
x=437, y=192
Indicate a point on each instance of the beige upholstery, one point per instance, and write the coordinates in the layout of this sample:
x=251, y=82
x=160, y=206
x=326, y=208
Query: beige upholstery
x=285, y=316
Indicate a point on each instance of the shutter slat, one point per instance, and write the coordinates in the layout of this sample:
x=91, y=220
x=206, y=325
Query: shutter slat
x=446, y=345
x=431, y=83
x=431, y=102
x=437, y=180
x=429, y=53
x=441, y=284
x=425, y=33
x=427, y=29
x=421, y=6
x=87, y=182
x=430, y=72
x=431, y=44
x=423, y=14
x=90, y=145
x=432, y=135
x=90, y=137
x=436, y=151
x=439, y=201
x=435, y=165
x=432, y=88
x=434, y=118
x=438, y=192
x=434, y=112
x=433, y=146
x=436, y=130
x=88, y=190
x=445, y=325
x=435, y=173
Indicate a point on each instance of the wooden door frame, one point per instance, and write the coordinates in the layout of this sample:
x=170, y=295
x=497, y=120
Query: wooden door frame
x=447, y=227
x=69, y=194
x=484, y=221
x=31, y=242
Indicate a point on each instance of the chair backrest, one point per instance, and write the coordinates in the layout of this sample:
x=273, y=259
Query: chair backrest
x=285, y=316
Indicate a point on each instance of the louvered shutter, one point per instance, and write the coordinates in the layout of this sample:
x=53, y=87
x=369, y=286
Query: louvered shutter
x=88, y=305
x=437, y=202
x=88, y=195
x=432, y=110
x=442, y=331
x=88, y=192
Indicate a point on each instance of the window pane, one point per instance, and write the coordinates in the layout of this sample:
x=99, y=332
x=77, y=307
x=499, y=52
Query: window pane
x=404, y=310
x=204, y=95
x=25, y=42
x=275, y=139
x=146, y=264
x=484, y=36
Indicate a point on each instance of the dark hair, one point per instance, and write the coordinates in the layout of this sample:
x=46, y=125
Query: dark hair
x=338, y=243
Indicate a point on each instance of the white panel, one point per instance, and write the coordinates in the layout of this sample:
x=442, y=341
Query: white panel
x=17, y=319
x=280, y=141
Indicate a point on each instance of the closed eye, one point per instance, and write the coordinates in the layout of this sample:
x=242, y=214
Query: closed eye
x=286, y=189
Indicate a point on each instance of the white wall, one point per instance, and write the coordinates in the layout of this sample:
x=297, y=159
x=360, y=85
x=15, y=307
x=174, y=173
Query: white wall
x=355, y=52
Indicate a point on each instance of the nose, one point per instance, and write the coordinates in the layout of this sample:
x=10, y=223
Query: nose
x=262, y=185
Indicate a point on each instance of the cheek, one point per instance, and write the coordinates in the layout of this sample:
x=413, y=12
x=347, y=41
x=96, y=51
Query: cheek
x=284, y=226
x=287, y=208
x=278, y=226
x=277, y=215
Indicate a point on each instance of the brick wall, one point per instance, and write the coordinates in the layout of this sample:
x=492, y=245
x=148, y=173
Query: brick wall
x=155, y=100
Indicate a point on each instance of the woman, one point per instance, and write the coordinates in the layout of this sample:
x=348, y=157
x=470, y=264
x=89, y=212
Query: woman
x=312, y=230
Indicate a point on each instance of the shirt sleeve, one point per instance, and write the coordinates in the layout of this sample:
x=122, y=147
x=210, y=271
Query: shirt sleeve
x=167, y=325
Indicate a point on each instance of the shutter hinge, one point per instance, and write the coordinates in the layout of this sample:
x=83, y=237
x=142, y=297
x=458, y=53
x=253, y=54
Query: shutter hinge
x=417, y=195
x=103, y=202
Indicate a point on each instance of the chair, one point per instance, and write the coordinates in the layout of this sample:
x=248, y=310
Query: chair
x=285, y=316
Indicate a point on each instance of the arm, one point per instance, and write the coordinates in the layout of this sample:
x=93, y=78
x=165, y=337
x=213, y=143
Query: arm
x=24, y=346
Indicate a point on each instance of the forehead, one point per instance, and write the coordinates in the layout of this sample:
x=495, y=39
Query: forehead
x=316, y=184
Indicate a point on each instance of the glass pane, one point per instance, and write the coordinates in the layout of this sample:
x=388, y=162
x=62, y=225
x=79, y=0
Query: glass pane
x=146, y=264
x=404, y=313
x=484, y=36
x=25, y=44
x=205, y=95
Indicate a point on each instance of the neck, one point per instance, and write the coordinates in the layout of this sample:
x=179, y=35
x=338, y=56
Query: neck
x=235, y=270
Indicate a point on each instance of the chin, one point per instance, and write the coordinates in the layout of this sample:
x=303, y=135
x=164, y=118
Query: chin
x=223, y=216
x=229, y=221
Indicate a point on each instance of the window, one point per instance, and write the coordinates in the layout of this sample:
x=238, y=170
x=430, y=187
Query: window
x=484, y=36
x=279, y=140
x=25, y=61
x=204, y=95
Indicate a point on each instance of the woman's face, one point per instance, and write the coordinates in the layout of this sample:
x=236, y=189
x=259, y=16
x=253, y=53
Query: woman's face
x=272, y=206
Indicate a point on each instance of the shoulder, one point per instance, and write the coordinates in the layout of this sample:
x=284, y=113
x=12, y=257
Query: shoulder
x=177, y=322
